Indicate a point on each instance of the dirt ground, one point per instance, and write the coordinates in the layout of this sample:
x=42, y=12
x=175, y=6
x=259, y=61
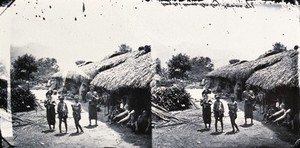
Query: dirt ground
x=33, y=131
x=189, y=131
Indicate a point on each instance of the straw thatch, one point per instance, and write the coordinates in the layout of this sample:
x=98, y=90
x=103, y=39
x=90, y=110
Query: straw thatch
x=283, y=73
x=136, y=72
x=71, y=74
x=242, y=71
x=93, y=69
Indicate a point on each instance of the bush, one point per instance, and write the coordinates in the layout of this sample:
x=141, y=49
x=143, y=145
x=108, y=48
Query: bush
x=171, y=98
x=22, y=99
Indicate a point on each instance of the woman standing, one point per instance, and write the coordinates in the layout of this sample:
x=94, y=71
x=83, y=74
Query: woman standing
x=93, y=108
x=206, y=109
x=76, y=114
x=62, y=111
x=249, y=99
x=50, y=109
x=218, y=112
x=232, y=106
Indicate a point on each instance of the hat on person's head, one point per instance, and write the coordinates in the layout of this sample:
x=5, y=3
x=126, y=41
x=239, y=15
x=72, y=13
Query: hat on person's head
x=76, y=97
x=61, y=97
x=217, y=96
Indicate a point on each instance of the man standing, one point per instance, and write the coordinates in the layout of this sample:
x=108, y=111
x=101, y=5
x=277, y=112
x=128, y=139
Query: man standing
x=62, y=111
x=218, y=110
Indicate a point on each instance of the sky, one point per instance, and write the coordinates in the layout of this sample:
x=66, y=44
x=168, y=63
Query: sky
x=49, y=29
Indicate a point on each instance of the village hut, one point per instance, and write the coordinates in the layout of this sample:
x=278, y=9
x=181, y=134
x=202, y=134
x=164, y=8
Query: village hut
x=275, y=75
x=131, y=78
x=3, y=87
x=69, y=79
x=241, y=71
x=280, y=80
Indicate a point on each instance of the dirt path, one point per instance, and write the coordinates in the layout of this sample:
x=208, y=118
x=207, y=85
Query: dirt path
x=192, y=133
x=104, y=135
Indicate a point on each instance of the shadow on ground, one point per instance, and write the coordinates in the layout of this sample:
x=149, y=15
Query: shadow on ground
x=48, y=131
x=140, y=140
x=203, y=130
x=60, y=134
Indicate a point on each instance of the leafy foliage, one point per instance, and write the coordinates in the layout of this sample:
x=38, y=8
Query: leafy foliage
x=200, y=66
x=22, y=99
x=24, y=67
x=123, y=48
x=3, y=94
x=46, y=67
x=178, y=65
x=158, y=66
x=171, y=98
x=277, y=48
x=26, y=72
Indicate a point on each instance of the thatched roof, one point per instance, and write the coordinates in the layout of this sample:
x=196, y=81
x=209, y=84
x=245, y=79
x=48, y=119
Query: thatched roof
x=93, y=69
x=136, y=72
x=242, y=71
x=72, y=72
x=282, y=73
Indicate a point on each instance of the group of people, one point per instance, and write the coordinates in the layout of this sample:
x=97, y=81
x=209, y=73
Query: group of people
x=62, y=111
x=218, y=109
x=117, y=112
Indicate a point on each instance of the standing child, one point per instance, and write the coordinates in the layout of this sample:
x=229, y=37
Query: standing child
x=76, y=114
x=232, y=106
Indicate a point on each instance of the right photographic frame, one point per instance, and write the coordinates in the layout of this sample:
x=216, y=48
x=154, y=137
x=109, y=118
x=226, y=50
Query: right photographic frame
x=226, y=75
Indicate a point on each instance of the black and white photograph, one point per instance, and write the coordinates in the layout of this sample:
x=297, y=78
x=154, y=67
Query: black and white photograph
x=149, y=73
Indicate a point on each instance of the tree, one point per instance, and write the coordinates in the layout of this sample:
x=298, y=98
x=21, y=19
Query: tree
x=24, y=67
x=46, y=67
x=277, y=48
x=200, y=66
x=178, y=65
x=123, y=48
x=158, y=66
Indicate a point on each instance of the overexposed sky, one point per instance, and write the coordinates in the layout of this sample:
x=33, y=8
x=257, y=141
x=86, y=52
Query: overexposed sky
x=219, y=33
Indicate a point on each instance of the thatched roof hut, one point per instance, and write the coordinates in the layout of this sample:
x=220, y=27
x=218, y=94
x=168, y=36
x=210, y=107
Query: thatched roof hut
x=281, y=74
x=242, y=71
x=71, y=74
x=92, y=69
x=136, y=72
